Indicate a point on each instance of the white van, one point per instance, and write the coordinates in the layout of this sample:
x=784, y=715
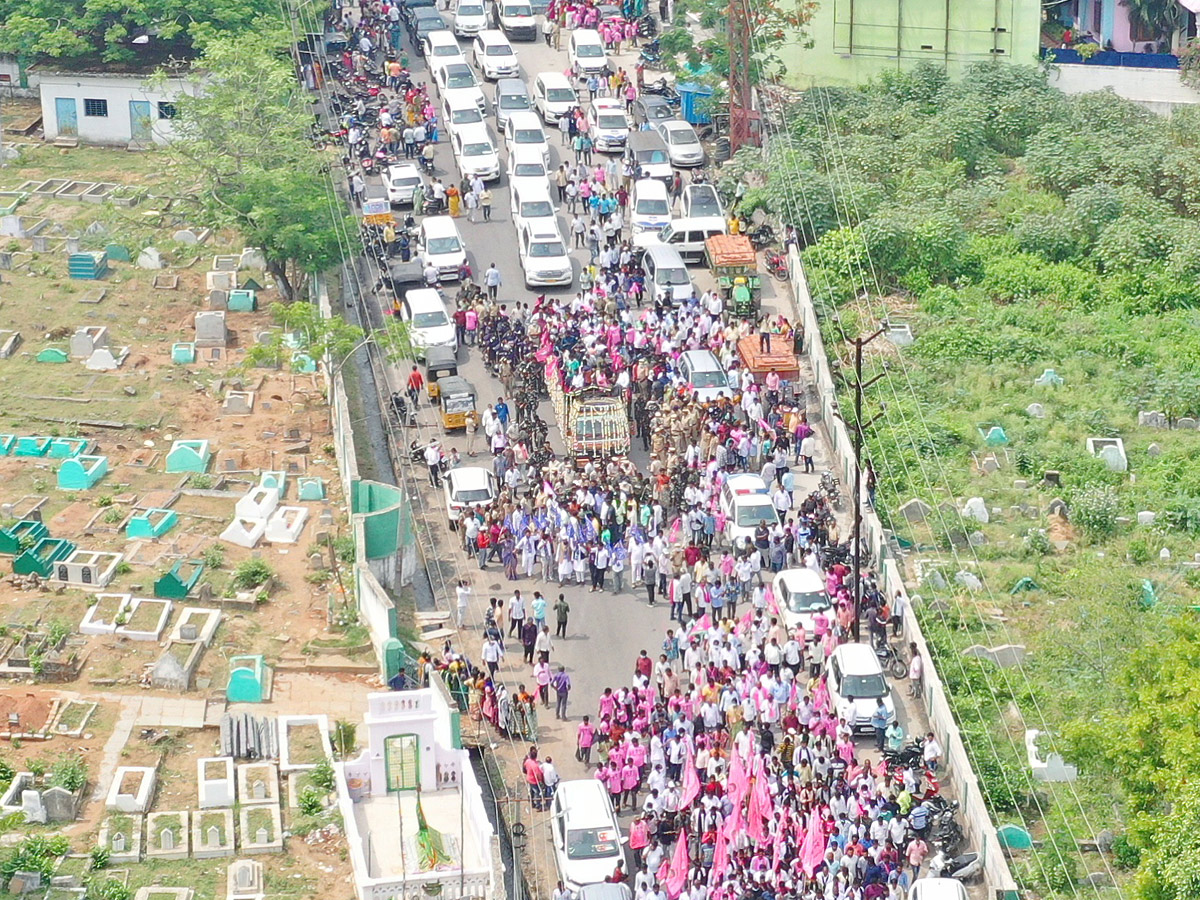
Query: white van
x=523, y=129
x=553, y=96
x=704, y=375
x=800, y=594
x=667, y=280
x=428, y=322
x=494, y=55
x=531, y=202
x=855, y=678
x=586, y=53
x=686, y=236
x=649, y=206
x=442, y=245
x=515, y=18
x=587, y=838
x=544, y=255
x=469, y=18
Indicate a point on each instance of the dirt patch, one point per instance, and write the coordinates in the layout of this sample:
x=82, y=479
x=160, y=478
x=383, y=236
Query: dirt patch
x=31, y=707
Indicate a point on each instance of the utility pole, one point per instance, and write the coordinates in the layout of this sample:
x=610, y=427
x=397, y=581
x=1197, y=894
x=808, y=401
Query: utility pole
x=740, y=97
x=859, y=426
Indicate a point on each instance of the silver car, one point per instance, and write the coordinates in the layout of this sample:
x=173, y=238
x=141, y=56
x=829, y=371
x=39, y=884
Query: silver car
x=683, y=145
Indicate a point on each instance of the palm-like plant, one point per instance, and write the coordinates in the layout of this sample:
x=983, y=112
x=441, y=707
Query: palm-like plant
x=1162, y=18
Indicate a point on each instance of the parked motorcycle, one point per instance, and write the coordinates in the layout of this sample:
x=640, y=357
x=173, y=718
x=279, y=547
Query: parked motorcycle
x=891, y=661
x=961, y=868
x=777, y=265
x=761, y=236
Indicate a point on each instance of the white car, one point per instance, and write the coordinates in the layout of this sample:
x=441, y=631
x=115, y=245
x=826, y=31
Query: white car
x=683, y=145
x=937, y=889
x=585, y=52
x=800, y=594
x=428, y=322
x=607, y=125
x=401, y=182
x=475, y=153
x=469, y=18
x=457, y=80
x=468, y=487
x=516, y=19
x=462, y=112
x=702, y=372
x=524, y=129
x=746, y=513
x=527, y=167
x=585, y=832
x=856, y=683
x=532, y=203
x=650, y=206
x=494, y=56
x=441, y=47
x=544, y=257
x=700, y=201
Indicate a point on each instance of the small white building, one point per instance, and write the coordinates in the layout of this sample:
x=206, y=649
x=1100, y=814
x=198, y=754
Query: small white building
x=414, y=758
x=116, y=110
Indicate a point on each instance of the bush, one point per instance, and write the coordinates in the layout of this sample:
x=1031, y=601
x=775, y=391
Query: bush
x=213, y=556
x=251, y=573
x=109, y=889
x=1125, y=855
x=311, y=802
x=70, y=772
x=100, y=857
x=322, y=775
x=1095, y=510
x=1058, y=864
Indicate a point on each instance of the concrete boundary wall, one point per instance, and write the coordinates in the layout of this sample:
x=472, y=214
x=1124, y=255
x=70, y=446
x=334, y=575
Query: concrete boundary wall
x=977, y=823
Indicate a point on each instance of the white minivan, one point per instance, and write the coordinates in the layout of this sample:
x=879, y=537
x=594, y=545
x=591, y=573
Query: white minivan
x=704, y=375
x=586, y=836
x=667, y=280
x=686, y=236
x=524, y=130
x=429, y=324
x=553, y=96
x=649, y=206
x=442, y=245
x=857, y=684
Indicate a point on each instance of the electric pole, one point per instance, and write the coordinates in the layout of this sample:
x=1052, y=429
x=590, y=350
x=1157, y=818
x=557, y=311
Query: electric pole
x=740, y=98
x=859, y=426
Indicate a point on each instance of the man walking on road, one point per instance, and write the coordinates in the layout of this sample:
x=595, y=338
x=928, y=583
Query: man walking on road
x=433, y=459
x=491, y=278
x=562, y=609
x=561, y=682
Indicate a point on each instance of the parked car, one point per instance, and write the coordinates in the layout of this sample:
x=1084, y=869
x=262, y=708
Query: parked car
x=468, y=487
x=429, y=323
x=607, y=125
x=424, y=21
x=511, y=96
x=523, y=129
x=461, y=111
x=553, y=95
x=401, y=183
x=441, y=47
x=585, y=52
x=856, y=682
x=683, y=144
x=649, y=108
x=700, y=201
x=526, y=166
x=516, y=19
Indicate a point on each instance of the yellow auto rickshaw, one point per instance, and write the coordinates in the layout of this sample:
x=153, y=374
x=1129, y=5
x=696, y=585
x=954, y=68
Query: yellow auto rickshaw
x=440, y=362
x=457, y=400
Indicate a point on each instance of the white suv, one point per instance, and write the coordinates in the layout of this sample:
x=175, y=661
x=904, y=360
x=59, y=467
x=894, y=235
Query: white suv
x=608, y=125
x=515, y=18
x=585, y=832
x=469, y=18
x=494, y=55
x=544, y=256
x=856, y=684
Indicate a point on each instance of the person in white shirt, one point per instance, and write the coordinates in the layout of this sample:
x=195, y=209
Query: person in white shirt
x=463, y=595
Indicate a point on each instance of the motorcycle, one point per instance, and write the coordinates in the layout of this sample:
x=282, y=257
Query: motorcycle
x=777, y=265
x=891, y=661
x=761, y=237
x=961, y=868
x=906, y=757
x=647, y=26
x=662, y=88
x=406, y=415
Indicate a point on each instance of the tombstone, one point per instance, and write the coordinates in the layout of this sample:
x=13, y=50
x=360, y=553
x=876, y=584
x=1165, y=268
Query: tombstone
x=1035, y=411
x=150, y=258
x=1187, y=423
x=218, y=299
x=185, y=236
x=6, y=259
x=253, y=258
x=225, y=263
x=73, y=243
x=117, y=253
x=220, y=281
x=210, y=329
x=258, y=790
x=1021, y=484
x=41, y=243
x=117, y=842
x=977, y=539
x=935, y=580
x=976, y=509
x=212, y=837
x=1052, y=477
x=1058, y=507
x=25, y=882
x=105, y=360
x=94, y=229
x=243, y=874
x=1146, y=517
x=31, y=805
x=1154, y=451
x=915, y=510
x=1105, y=841
x=1152, y=419
x=59, y=802
x=85, y=340
x=189, y=632
x=990, y=464
x=238, y=403
x=1048, y=378
x=9, y=342
x=968, y=580
x=166, y=839
x=262, y=836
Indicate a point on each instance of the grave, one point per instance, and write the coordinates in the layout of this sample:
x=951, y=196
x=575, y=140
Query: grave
x=172, y=673
x=220, y=281
x=1154, y=451
x=42, y=556
x=1153, y=419
x=188, y=456
x=9, y=342
x=52, y=355
x=215, y=782
x=1014, y=837
x=104, y=359
x=180, y=580
x=286, y=524
x=31, y=805
x=87, y=569
x=1048, y=378
x=993, y=435
x=61, y=805
x=87, y=266
x=238, y=403
x=968, y=580
x=132, y=789
x=98, y=192
x=976, y=509
x=1035, y=411
x=258, y=503
x=196, y=625
x=185, y=236
x=147, y=619
x=25, y=882
x=261, y=829
x=249, y=678
x=8, y=443
x=118, y=253
x=312, y=488
x=74, y=190
x=1146, y=517
x=274, y=479
x=103, y=615
x=302, y=362
x=21, y=226
x=258, y=783
x=1005, y=655
x=165, y=282
x=167, y=835
x=245, y=880
x=285, y=723
x=150, y=258
x=183, y=353
x=65, y=448
x=1187, y=423
x=212, y=833
x=82, y=472
x=32, y=446
x=163, y=893
x=252, y=258
x=121, y=835
x=218, y=299
x=1052, y=768
x=210, y=329
x=20, y=535
x=242, y=301
x=1111, y=450
x=244, y=532
x=151, y=523
x=225, y=263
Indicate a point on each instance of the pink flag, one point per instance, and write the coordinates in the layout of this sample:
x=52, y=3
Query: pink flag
x=663, y=870
x=813, y=851
x=733, y=824
x=720, y=858
x=691, y=781
x=747, y=618
x=705, y=623
x=678, y=872
x=754, y=815
x=737, y=776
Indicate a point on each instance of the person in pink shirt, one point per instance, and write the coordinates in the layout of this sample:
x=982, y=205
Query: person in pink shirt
x=615, y=788
x=608, y=703
x=639, y=838
x=585, y=736
x=630, y=777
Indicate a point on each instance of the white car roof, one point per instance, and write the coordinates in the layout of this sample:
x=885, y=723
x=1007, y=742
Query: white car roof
x=803, y=580
x=937, y=889
x=706, y=361
x=442, y=36
x=469, y=478
x=524, y=118
x=587, y=36
x=406, y=169
x=473, y=133
x=857, y=659
x=650, y=187
x=674, y=125
x=491, y=36
x=526, y=153
x=746, y=483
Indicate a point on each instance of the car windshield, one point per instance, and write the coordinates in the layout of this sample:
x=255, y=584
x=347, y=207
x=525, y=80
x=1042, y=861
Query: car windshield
x=430, y=319
x=589, y=51
x=561, y=95
x=514, y=101
x=405, y=181
x=652, y=156
x=611, y=121
x=750, y=515
x=518, y=9
x=856, y=686
x=592, y=843
x=703, y=199
x=547, y=248
x=444, y=245
x=682, y=136
x=466, y=115
x=446, y=50
x=651, y=206
x=478, y=495
x=708, y=379
x=529, y=169
x=498, y=50
x=671, y=276
x=534, y=209
x=529, y=136
x=805, y=601
x=465, y=9
x=431, y=25
x=460, y=79
x=483, y=148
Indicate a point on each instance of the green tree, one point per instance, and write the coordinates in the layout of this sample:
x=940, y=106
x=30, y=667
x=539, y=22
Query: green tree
x=1162, y=17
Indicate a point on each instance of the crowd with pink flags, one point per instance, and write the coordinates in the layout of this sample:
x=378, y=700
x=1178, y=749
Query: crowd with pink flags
x=744, y=778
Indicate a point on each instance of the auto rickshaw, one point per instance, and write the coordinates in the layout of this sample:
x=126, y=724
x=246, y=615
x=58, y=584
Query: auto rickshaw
x=457, y=400
x=440, y=362
x=734, y=265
